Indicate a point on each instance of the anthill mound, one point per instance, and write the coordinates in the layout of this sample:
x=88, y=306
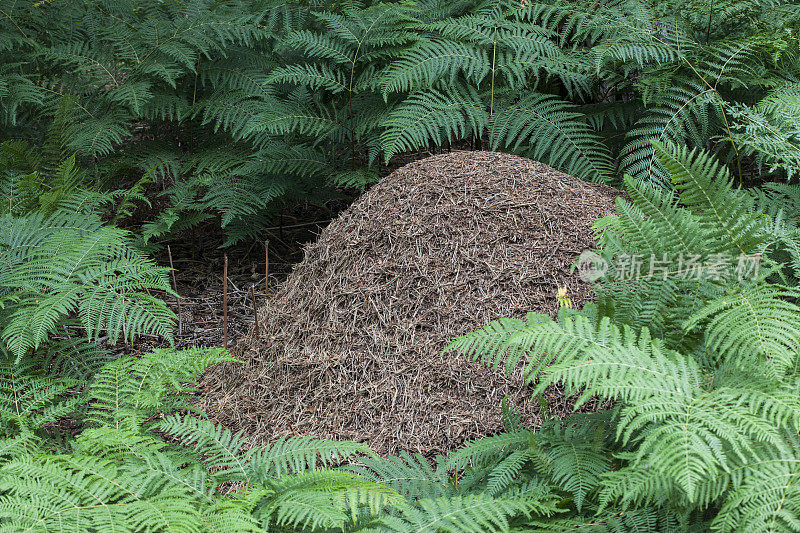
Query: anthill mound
x=351, y=344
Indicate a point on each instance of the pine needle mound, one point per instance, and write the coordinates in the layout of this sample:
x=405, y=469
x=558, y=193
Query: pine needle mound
x=351, y=344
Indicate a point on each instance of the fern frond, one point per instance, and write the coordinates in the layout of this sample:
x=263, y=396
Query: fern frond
x=495, y=341
x=705, y=187
x=770, y=130
x=326, y=499
x=409, y=475
x=69, y=263
x=31, y=400
x=223, y=450
x=460, y=514
x=576, y=459
x=767, y=500
x=682, y=112
x=299, y=454
x=431, y=61
x=129, y=390
x=547, y=129
x=755, y=321
x=86, y=493
x=433, y=116
x=488, y=449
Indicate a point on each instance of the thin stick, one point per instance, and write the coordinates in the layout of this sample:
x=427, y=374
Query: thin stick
x=175, y=288
x=255, y=309
x=266, y=267
x=225, y=303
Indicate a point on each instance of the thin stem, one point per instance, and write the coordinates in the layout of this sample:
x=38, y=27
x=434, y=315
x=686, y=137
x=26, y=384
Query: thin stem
x=255, y=310
x=175, y=288
x=225, y=304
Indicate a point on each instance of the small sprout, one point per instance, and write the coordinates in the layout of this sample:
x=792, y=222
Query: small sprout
x=563, y=298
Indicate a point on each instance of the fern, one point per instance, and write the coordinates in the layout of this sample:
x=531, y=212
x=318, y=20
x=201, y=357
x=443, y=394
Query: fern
x=767, y=498
x=129, y=390
x=753, y=322
x=440, y=117
x=212, y=98
x=698, y=407
x=459, y=514
x=770, y=130
x=705, y=187
x=128, y=470
x=71, y=263
x=561, y=136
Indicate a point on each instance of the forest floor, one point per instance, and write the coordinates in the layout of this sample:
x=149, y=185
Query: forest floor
x=199, y=264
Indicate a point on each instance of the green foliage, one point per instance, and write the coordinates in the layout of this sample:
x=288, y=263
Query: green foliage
x=145, y=75
x=769, y=130
x=69, y=269
x=138, y=463
x=65, y=269
x=131, y=469
x=702, y=368
x=229, y=108
x=233, y=107
x=464, y=76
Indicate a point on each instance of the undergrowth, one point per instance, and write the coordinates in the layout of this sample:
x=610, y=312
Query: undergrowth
x=227, y=109
x=702, y=372
x=233, y=108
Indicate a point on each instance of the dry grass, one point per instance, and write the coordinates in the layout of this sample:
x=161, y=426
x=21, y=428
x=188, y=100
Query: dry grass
x=351, y=343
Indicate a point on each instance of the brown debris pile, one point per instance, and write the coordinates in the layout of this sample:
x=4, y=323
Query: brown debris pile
x=351, y=344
